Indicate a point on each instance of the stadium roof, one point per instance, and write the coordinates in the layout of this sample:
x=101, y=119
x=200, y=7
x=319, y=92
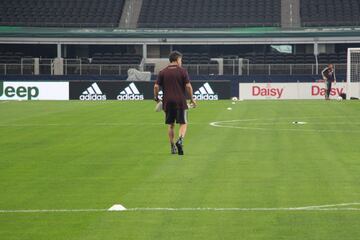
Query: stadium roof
x=177, y=36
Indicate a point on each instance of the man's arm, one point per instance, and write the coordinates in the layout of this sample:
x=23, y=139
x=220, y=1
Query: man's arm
x=189, y=91
x=156, y=92
x=323, y=73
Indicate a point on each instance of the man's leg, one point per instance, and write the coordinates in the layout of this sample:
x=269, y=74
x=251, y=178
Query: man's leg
x=182, y=119
x=182, y=130
x=328, y=90
x=170, y=117
x=171, y=132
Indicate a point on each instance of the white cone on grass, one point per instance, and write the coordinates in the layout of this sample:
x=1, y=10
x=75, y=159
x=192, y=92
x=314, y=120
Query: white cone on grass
x=117, y=208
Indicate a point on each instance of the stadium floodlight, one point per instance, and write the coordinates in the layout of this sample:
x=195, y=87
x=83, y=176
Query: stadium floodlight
x=353, y=73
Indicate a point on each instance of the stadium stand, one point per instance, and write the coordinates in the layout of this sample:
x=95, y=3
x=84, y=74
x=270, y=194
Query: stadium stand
x=330, y=13
x=10, y=62
x=61, y=13
x=200, y=63
x=333, y=57
x=279, y=58
x=295, y=58
x=115, y=58
x=10, y=57
x=103, y=63
x=209, y=13
x=196, y=58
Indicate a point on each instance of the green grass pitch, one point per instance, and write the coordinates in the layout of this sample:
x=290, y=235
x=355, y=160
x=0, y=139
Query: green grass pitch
x=92, y=155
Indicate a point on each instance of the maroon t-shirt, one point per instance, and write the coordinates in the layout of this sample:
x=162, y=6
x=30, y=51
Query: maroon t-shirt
x=173, y=80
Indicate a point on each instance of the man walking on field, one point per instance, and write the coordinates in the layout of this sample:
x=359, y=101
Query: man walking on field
x=328, y=75
x=175, y=83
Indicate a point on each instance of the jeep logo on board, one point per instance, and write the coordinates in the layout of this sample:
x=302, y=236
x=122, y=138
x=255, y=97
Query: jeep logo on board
x=21, y=91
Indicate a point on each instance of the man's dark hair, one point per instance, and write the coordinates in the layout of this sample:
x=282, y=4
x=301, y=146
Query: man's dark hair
x=174, y=56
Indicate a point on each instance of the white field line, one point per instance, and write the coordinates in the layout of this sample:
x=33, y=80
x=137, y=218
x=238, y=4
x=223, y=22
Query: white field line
x=228, y=124
x=4, y=102
x=52, y=210
x=218, y=125
x=74, y=124
x=239, y=209
x=84, y=124
x=330, y=207
x=292, y=124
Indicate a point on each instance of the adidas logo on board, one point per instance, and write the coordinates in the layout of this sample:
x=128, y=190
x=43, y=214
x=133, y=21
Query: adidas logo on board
x=93, y=93
x=205, y=93
x=130, y=93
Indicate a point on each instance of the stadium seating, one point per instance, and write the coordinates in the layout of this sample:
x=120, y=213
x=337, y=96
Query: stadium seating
x=10, y=57
x=175, y=13
x=10, y=63
x=204, y=58
x=200, y=64
x=209, y=13
x=279, y=58
x=330, y=12
x=295, y=58
x=104, y=64
x=116, y=58
x=61, y=13
x=196, y=58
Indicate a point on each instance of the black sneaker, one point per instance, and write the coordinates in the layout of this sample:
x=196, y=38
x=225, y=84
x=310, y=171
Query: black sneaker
x=179, y=146
x=173, y=149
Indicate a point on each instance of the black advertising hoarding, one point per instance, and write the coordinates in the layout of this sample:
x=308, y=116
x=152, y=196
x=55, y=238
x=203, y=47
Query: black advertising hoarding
x=137, y=91
x=211, y=90
x=110, y=90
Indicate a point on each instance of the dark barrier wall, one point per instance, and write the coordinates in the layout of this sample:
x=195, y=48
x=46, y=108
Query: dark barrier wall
x=137, y=91
x=235, y=80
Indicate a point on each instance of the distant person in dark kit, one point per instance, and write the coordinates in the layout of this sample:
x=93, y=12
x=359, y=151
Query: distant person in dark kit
x=329, y=77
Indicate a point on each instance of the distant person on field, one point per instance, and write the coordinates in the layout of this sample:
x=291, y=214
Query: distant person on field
x=328, y=75
x=175, y=83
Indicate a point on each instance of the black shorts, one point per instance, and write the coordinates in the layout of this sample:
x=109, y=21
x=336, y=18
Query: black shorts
x=178, y=115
